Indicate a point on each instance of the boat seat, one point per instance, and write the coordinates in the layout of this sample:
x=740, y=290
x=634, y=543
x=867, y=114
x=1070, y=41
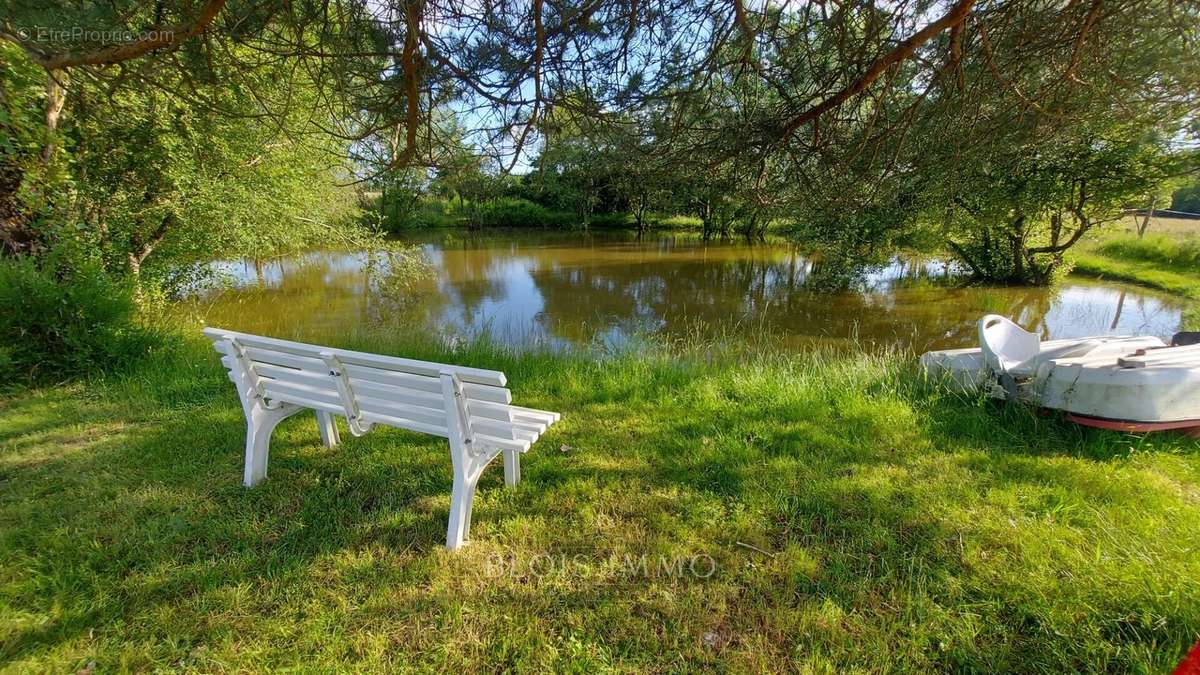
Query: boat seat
x=1007, y=348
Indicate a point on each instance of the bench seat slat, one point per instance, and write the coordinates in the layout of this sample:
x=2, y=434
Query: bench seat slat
x=502, y=443
x=410, y=396
x=429, y=384
x=502, y=430
x=491, y=411
x=483, y=422
x=399, y=380
x=280, y=390
x=550, y=417
x=294, y=376
x=305, y=402
x=367, y=404
x=402, y=423
x=506, y=412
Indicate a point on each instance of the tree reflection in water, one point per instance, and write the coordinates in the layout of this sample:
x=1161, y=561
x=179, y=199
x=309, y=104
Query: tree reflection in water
x=571, y=288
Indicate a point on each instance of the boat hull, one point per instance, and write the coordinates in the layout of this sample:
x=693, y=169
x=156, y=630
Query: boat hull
x=1103, y=388
x=1190, y=427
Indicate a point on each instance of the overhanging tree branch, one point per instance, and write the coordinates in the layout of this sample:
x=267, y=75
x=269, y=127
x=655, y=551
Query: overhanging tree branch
x=168, y=37
x=957, y=14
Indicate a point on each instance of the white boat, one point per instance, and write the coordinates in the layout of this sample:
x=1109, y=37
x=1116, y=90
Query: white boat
x=1128, y=382
x=1150, y=386
x=1006, y=349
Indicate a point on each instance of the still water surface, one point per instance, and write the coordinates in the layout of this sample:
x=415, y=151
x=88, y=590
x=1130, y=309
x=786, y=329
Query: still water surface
x=559, y=289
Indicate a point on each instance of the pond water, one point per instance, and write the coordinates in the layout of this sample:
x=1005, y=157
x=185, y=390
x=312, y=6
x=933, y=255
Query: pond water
x=559, y=289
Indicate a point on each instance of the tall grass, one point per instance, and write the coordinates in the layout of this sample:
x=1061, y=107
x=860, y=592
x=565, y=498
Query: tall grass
x=1168, y=251
x=64, y=322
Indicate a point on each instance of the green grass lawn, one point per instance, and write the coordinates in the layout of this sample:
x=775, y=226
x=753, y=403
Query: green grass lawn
x=852, y=517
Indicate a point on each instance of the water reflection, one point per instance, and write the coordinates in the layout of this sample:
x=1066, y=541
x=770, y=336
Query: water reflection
x=560, y=289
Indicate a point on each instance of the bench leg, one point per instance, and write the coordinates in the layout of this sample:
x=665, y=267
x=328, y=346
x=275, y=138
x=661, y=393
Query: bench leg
x=328, y=428
x=462, y=496
x=512, y=467
x=260, y=424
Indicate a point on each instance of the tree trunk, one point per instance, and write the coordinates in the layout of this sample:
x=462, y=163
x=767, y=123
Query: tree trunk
x=16, y=235
x=1016, y=239
x=135, y=271
x=56, y=97
x=141, y=251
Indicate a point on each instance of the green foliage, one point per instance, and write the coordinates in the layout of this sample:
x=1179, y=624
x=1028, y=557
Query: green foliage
x=500, y=212
x=208, y=183
x=28, y=185
x=522, y=213
x=57, y=325
x=150, y=179
x=1012, y=212
x=1170, y=264
x=678, y=222
x=1152, y=275
x=1186, y=199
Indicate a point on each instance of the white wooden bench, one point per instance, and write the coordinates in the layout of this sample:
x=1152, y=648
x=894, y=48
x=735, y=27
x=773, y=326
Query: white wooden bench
x=469, y=406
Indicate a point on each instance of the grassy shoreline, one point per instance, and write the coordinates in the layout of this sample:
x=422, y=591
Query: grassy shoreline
x=1164, y=259
x=897, y=527
x=1139, y=273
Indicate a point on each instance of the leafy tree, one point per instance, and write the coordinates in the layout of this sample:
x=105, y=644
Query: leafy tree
x=1013, y=219
x=157, y=174
x=128, y=173
x=1186, y=199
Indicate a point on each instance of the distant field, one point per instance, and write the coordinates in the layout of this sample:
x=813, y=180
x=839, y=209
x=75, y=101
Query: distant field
x=1165, y=258
x=1158, y=225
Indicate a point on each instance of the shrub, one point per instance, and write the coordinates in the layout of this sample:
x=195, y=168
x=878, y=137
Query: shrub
x=397, y=214
x=398, y=211
x=522, y=213
x=56, y=326
x=610, y=220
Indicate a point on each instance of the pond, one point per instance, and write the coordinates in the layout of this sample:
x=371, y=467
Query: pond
x=557, y=289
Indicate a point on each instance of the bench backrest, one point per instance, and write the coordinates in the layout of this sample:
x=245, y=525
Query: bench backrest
x=373, y=389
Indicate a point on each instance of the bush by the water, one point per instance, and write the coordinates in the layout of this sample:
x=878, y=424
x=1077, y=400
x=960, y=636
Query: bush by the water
x=522, y=213
x=405, y=213
x=448, y=213
x=55, y=325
